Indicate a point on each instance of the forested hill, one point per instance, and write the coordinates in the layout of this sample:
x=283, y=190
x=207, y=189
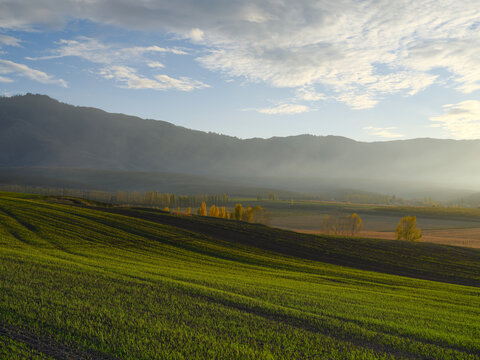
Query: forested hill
x=39, y=131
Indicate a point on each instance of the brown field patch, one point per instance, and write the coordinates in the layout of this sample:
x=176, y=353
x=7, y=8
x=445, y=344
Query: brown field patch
x=458, y=237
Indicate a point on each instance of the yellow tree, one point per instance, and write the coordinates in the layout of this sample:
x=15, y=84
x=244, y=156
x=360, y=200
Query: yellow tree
x=213, y=211
x=203, y=209
x=258, y=214
x=353, y=224
x=248, y=214
x=407, y=229
x=222, y=212
x=238, y=212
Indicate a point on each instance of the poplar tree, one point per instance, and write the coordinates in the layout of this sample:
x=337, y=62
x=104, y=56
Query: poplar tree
x=238, y=212
x=203, y=209
x=222, y=212
x=212, y=211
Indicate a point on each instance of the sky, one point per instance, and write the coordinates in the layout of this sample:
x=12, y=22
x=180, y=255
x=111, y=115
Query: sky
x=371, y=70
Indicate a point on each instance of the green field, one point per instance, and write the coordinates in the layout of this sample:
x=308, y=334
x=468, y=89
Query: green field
x=118, y=283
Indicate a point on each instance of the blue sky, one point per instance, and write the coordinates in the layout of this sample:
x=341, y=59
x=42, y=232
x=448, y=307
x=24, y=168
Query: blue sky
x=370, y=70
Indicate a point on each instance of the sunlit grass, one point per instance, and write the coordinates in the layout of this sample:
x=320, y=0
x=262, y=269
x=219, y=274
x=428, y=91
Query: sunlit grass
x=131, y=287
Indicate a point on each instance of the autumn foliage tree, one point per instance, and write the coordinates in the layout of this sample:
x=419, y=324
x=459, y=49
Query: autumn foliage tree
x=202, y=210
x=214, y=211
x=407, y=229
x=222, y=213
x=248, y=214
x=238, y=212
x=337, y=224
x=353, y=224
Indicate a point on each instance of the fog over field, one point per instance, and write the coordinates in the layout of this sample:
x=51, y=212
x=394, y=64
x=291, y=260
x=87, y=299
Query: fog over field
x=38, y=131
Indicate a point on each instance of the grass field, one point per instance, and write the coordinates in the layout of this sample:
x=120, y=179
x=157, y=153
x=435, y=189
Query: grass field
x=117, y=283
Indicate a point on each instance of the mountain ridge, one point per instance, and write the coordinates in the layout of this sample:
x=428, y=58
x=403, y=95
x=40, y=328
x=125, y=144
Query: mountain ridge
x=40, y=131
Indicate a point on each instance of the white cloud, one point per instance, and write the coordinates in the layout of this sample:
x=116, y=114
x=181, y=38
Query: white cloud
x=9, y=40
x=95, y=51
x=117, y=59
x=461, y=120
x=156, y=65
x=459, y=56
x=196, y=35
x=384, y=132
x=5, y=79
x=10, y=67
x=255, y=14
x=309, y=94
x=285, y=109
x=356, y=51
x=129, y=78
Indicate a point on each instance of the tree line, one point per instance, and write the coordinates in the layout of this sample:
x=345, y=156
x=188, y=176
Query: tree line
x=250, y=214
x=146, y=198
x=154, y=198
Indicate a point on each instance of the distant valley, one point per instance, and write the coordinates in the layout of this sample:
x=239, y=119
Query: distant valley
x=54, y=139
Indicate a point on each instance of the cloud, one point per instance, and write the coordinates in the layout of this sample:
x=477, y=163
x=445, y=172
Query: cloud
x=5, y=79
x=117, y=59
x=461, y=120
x=358, y=52
x=384, y=132
x=95, y=51
x=309, y=94
x=196, y=35
x=10, y=67
x=285, y=109
x=461, y=57
x=129, y=78
x=156, y=65
x=9, y=40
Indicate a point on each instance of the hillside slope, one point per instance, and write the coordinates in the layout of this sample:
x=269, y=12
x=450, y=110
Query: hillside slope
x=40, y=131
x=84, y=283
